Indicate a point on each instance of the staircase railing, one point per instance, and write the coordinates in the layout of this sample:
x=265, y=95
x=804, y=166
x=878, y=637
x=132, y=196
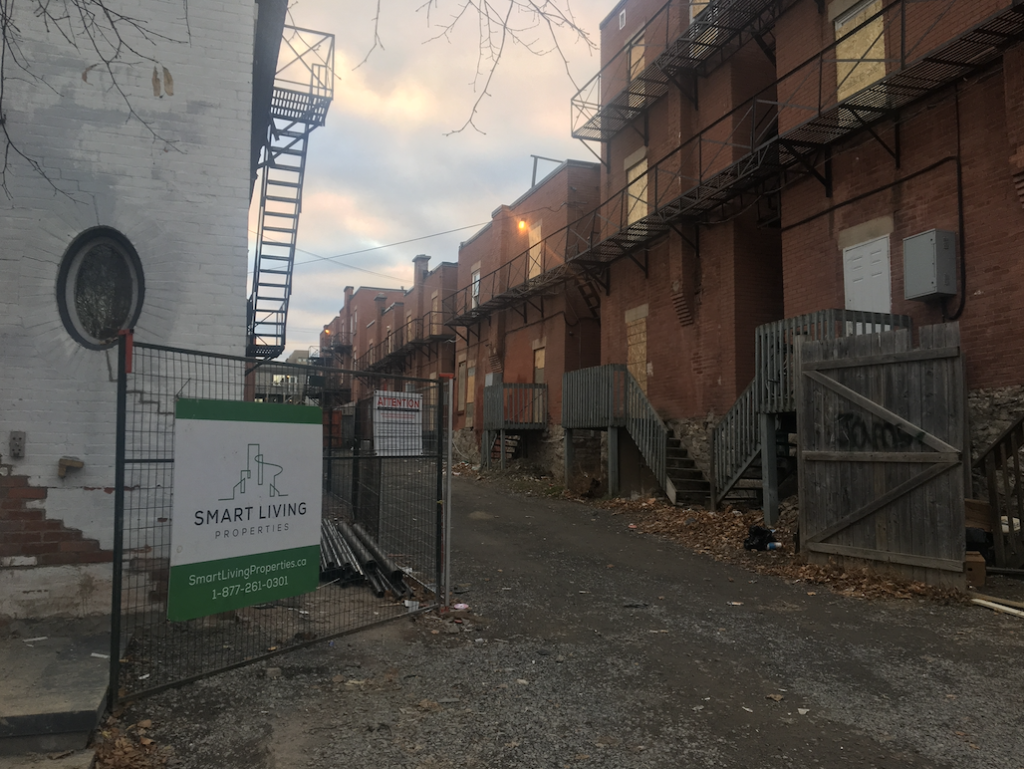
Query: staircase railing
x=648, y=432
x=609, y=396
x=736, y=439
x=594, y=398
x=1001, y=464
x=735, y=444
x=515, y=406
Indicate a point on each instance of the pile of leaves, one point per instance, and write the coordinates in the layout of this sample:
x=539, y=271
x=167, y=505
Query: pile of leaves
x=128, y=747
x=720, y=535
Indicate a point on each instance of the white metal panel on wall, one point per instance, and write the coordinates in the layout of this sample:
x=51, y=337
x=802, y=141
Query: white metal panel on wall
x=867, y=276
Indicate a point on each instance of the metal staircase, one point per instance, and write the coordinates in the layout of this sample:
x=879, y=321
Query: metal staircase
x=303, y=89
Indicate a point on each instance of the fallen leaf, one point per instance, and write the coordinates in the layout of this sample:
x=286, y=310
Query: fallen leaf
x=776, y=697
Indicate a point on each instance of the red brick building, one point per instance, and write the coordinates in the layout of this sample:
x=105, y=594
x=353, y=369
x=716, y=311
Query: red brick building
x=764, y=161
x=510, y=354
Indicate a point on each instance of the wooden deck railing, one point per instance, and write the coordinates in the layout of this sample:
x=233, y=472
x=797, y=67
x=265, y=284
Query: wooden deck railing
x=1001, y=466
x=594, y=398
x=736, y=439
x=515, y=406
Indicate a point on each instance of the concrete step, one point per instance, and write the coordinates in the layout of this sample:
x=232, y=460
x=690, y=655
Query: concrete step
x=53, y=684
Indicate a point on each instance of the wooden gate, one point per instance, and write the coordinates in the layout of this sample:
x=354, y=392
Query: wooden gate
x=881, y=438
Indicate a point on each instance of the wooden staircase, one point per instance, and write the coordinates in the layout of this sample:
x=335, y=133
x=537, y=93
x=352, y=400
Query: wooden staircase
x=689, y=482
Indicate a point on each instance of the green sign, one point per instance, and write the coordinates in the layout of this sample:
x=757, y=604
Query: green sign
x=245, y=525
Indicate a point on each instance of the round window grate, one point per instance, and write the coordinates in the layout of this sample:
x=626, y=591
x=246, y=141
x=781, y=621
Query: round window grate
x=99, y=287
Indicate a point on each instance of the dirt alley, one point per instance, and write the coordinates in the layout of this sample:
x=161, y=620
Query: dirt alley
x=589, y=645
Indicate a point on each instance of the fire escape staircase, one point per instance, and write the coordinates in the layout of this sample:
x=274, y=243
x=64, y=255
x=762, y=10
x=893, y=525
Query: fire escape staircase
x=751, y=453
x=608, y=398
x=303, y=89
x=744, y=158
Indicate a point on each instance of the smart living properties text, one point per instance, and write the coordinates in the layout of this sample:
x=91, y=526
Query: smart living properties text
x=248, y=514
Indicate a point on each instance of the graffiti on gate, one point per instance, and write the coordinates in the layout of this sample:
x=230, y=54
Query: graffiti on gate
x=854, y=432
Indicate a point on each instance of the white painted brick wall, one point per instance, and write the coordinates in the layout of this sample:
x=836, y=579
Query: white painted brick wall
x=182, y=202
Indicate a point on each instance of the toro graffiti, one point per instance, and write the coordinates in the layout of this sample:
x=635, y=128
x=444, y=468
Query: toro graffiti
x=854, y=432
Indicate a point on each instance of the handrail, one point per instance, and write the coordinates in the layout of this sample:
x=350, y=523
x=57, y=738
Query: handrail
x=736, y=439
x=515, y=406
x=608, y=396
x=771, y=133
x=594, y=398
x=1001, y=464
x=647, y=430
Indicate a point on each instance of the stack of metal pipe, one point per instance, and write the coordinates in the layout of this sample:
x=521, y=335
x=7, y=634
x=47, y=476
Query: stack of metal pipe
x=349, y=554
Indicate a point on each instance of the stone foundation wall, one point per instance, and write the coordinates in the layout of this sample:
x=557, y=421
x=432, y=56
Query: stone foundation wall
x=696, y=437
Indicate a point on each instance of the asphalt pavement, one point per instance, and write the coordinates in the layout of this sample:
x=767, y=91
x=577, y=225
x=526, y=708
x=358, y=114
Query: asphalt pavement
x=586, y=644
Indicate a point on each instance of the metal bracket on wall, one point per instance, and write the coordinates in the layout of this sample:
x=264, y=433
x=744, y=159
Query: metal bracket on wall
x=765, y=49
x=694, y=244
x=643, y=266
x=894, y=151
x=807, y=160
x=689, y=93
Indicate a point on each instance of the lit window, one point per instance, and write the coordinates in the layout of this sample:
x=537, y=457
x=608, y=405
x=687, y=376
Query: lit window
x=99, y=287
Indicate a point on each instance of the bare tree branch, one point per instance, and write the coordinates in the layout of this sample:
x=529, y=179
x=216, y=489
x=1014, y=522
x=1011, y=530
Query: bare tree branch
x=96, y=29
x=539, y=26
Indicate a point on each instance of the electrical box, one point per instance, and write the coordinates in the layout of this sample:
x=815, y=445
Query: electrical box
x=929, y=265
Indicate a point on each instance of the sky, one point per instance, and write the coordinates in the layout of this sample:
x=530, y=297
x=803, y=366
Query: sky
x=382, y=175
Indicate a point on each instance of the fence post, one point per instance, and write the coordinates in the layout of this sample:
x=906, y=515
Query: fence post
x=442, y=514
x=769, y=468
x=447, y=595
x=124, y=342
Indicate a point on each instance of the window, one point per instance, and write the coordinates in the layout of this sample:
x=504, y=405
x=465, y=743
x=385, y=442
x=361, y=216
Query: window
x=636, y=192
x=435, y=314
x=100, y=287
x=860, y=57
x=622, y=18
x=536, y=251
x=470, y=394
x=461, y=404
x=538, y=366
x=636, y=57
x=696, y=6
x=475, y=289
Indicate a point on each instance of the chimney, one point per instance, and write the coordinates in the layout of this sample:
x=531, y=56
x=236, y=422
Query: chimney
x=420, y=268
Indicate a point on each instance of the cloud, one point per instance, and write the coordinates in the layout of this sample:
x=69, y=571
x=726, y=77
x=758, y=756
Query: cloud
x=382, y=171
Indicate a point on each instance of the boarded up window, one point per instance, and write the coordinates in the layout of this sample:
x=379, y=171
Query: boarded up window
x=696, y=6
x=860, y=57
x=636, y=57
x=536, y=251
x=470, y=394
x=462, y=386
x=435, y=314
x=538, y=366
x=636, y=192
x=636, y=344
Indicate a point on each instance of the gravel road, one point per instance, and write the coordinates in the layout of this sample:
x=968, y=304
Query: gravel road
x=588, y=645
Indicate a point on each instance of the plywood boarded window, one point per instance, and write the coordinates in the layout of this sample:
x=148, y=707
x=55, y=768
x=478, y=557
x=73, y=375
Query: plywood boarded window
x=435, y=314
x=636, y=344
x=636, y=57
x=536, y=251
x=470, y=394
x=538, y=366
x=461, y=376
x=636, y=192
x=696, y=6
x=860, y=57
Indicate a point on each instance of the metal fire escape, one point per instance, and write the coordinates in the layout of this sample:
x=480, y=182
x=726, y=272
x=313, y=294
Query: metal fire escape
x=781, y=135
x=303, y=89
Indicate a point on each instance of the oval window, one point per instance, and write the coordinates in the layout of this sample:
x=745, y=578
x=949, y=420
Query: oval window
x=99, y=287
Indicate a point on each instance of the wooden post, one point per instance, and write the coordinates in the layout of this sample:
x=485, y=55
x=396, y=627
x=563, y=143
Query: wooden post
x=502, y=448
x=568, y=455
x=486, y=445
x=769, y=469
x=613, y=461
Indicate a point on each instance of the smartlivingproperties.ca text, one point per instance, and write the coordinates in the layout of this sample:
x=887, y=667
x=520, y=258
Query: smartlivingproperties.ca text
x=245, y=572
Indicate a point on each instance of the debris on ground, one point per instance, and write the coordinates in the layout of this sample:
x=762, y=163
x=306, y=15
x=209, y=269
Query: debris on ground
x=128, y=747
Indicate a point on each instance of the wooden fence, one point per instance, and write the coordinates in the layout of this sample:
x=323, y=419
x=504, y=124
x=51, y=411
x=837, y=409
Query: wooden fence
x=881, y=439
